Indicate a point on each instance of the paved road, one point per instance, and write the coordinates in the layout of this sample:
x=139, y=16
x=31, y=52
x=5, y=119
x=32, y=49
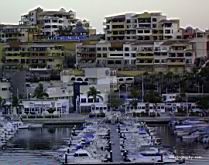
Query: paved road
x=115, y=140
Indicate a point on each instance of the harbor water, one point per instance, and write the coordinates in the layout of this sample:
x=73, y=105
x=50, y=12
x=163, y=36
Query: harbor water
x=35, y=146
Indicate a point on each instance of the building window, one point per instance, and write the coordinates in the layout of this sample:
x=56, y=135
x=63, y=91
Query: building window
x=98, y=49
x=154, y=19
x=104, y=54
x=110, y=62
x=154, y=25
x=188, y=61
x=4, y=89
x=133, y=55
x=117, y=62
x=83, y=100
x=162, y=61
x=126, y=48
x=128, y=21
x=26, y=110
x=99, y=55
x=104, y=49
x=167, y=31
x=157, y=61
x=126, y=54
x=140, y=31
x=188, y=54
x=90, y=100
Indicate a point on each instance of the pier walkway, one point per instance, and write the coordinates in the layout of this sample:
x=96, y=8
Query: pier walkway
x=115, y=140
x=74, y=118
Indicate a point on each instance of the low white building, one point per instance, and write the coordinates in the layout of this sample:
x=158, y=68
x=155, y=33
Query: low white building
x=170, y=97
x=101, y=78
x=5, y=89
x=45, y=107
x=151, y=107
x=141, y=107
x=87, y=104
x=63, y=91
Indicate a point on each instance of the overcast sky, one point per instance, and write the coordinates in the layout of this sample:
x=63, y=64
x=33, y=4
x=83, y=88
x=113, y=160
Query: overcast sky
x=190, y=12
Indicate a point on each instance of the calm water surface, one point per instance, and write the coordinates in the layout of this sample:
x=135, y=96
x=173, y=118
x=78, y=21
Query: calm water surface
x=193, y=152
x=34, y=147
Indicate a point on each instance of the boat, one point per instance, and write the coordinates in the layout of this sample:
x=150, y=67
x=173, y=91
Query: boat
x=81, y=156
x=35, y=125
x=190, y=138
x=152, y=159
x=20, y=125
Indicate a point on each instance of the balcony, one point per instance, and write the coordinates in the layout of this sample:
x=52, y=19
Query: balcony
x=176, y=62
x=144, y=61
x=145, y=55
x=118, y=23
x=88, y=57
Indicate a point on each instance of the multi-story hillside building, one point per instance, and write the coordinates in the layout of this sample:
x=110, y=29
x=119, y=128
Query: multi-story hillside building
x=33, y=55
x=173, y=55
x=52, y=23
x=144, y=26
x=85, y=55
x=24, y=33
x=200, y=44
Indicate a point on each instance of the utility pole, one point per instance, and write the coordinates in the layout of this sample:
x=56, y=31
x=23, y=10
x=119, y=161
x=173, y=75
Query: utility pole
x=187, y=106
x=17, y=95
x=142, y=88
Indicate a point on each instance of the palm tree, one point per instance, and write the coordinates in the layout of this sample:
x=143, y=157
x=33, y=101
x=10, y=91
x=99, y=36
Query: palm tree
x=16, y=104
x=93, y=92
x=152, y=97
x=114, y=100
x=203, y=103
x=1, y=102
x=135, y=92
x=40, y=92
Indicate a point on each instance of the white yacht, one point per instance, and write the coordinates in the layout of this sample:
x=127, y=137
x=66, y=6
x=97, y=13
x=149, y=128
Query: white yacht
x=80, y=156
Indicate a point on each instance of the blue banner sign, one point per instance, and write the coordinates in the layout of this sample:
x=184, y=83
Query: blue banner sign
x=69, y=38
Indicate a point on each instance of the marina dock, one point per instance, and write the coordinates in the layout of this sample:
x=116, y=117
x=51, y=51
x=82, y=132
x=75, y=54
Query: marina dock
x=116, y=163
x=64, y=120
x=79, y=119
x=115, y=142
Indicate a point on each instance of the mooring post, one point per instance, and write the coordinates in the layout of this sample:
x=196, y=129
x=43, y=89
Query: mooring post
x=66, y=162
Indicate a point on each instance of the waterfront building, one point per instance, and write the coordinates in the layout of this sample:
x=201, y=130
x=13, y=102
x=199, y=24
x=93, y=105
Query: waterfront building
x=5, y=89
x=87, y=103
x=150, y=108
x=103, y=79
x=45, y=107
x=54, y=89
x=33, y=55
x=60, y=91
x=169, y=97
